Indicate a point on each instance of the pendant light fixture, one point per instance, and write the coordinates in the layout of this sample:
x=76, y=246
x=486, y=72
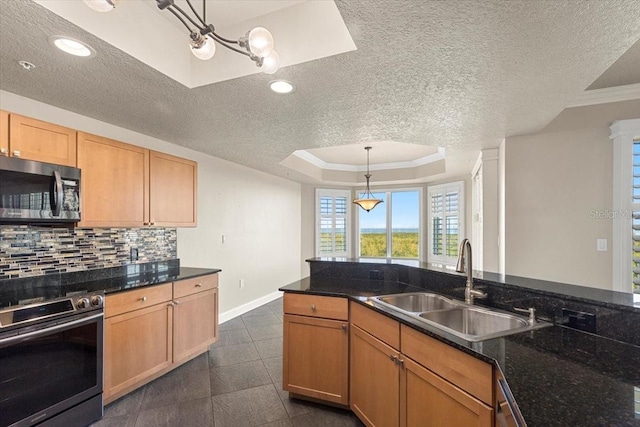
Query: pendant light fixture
x=366, y=200
x=257, y=43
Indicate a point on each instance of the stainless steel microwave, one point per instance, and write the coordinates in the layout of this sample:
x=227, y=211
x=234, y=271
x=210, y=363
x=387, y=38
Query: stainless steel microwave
x=36, y=192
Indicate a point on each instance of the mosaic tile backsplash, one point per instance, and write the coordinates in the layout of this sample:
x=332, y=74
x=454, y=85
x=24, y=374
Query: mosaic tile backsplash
x=33, y=251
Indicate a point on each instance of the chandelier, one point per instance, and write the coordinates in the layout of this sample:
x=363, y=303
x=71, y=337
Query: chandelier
x=257, y=43
x=366, y=200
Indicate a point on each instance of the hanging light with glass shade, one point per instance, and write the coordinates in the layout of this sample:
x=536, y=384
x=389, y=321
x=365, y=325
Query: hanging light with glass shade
x=366, y=200
x=257, y=43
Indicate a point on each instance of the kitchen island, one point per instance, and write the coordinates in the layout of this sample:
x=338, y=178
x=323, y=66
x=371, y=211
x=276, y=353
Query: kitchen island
x=557, y=375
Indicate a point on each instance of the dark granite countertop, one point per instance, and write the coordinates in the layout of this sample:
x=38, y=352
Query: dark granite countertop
x=110, y=280
x=558, y=376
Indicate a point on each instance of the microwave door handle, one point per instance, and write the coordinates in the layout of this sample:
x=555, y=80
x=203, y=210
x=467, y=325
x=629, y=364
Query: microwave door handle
x=56, y=194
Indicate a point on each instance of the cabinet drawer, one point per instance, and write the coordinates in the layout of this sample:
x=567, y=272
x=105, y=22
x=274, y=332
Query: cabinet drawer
x=195, y=285
x=316, y=306
x=380, y=326
x=465, y=371
x=134, y=300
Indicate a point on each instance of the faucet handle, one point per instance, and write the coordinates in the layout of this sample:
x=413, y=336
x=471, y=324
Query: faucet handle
x=531, y=311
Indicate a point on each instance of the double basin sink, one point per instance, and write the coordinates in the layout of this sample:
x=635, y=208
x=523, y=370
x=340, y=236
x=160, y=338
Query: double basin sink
x=462, y=320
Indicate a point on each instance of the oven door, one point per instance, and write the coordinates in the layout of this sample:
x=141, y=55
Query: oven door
x=46, y=371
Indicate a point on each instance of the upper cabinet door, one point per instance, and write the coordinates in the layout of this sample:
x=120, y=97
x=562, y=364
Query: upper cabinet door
x=45, y=142
x=4, y=133
x=173, y=190
x=114, y=182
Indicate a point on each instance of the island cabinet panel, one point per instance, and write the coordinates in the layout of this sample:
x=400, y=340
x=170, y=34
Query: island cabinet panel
x=316, y=306
x=137, y=345
x=374, y=380
x=173, y=191
x=463, y=370
x=195, y=324
x=429, y=401
x=316, y=358
x=115, y=180
x=32, y=139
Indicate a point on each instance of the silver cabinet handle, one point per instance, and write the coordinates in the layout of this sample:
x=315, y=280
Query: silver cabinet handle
x=198, y=285
x=143, y=299
x=16, y=153
x=313, y=307
x=176, y=302
x=344, y=328
x=4, y=151
x=393, y=358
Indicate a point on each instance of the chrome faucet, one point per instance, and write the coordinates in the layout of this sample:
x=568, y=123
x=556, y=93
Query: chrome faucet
x=465, y=253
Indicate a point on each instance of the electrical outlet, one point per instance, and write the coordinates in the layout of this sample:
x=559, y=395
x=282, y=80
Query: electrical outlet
x=133, y=254
x=242, y=283
x=376, y=275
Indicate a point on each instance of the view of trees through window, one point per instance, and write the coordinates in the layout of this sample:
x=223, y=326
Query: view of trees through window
x=392, y=229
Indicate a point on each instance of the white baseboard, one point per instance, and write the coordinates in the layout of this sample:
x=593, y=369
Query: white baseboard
x=244, y=308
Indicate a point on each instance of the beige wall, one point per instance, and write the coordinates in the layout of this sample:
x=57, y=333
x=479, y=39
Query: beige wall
x=262, y=241
x=554, y=181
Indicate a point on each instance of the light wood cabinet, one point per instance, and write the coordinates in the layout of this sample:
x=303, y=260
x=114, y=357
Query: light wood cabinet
x=129, y=186
x=150, y=331
x=32, y=139
x=138, y=344
x=430, y=401
x=173, y=189
x=374, y=380
x=442, y=386
x=114, y=182
x=316, y=349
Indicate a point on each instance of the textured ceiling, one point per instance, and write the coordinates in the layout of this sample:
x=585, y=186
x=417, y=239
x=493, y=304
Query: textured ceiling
x=625, y=71
x=455, y=74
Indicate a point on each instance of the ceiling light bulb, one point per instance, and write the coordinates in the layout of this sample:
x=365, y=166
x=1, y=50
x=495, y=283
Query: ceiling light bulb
x=260, y=42
x=204, y=48
x=271, y=63
x=72, y=46
x=281, y=86
x=101, y=5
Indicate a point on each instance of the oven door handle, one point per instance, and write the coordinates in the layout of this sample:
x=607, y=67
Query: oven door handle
x=45, y=331
x=56, y=194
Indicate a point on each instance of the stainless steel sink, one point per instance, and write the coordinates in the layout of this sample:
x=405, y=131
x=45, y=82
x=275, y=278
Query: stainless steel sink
x=477, y=324
x=416, y=302
x=462, y=320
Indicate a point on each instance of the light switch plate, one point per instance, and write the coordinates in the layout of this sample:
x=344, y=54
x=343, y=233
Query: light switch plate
x=601, y=245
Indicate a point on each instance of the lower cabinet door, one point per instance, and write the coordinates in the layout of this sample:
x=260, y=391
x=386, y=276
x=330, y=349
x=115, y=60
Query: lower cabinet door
x=375, y=380
x=137, y=345
x=428, y=400
x=316, y=358
x=195, y=324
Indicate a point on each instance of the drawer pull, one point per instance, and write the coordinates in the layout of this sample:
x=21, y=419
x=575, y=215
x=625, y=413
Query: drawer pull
x=198, y=285
x=16, y=153
x=313, y=307
x=143, y=299
x=393, y=358
x=4, y=151
x=176, y=302
x=344, y=328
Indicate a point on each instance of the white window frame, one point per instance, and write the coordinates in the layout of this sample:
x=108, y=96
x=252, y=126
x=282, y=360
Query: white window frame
x=443, y=188
x=623, y=133
x=333, y=193
x=387, y=206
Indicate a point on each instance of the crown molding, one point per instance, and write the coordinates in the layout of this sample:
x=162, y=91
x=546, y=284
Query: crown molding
x=319, y=163
x=606, y=95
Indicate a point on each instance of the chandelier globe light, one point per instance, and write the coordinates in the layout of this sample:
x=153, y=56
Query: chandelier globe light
x=257, y=43
x=366, y=200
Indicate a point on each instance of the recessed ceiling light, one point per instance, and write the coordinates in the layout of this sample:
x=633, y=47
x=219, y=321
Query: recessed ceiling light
x=72, y=46
x=281, y=86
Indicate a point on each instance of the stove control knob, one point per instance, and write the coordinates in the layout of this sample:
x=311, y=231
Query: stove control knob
x=97, y=300
x=83, y=303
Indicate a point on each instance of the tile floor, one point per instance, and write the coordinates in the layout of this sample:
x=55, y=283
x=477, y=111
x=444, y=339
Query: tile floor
x=237, y=383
